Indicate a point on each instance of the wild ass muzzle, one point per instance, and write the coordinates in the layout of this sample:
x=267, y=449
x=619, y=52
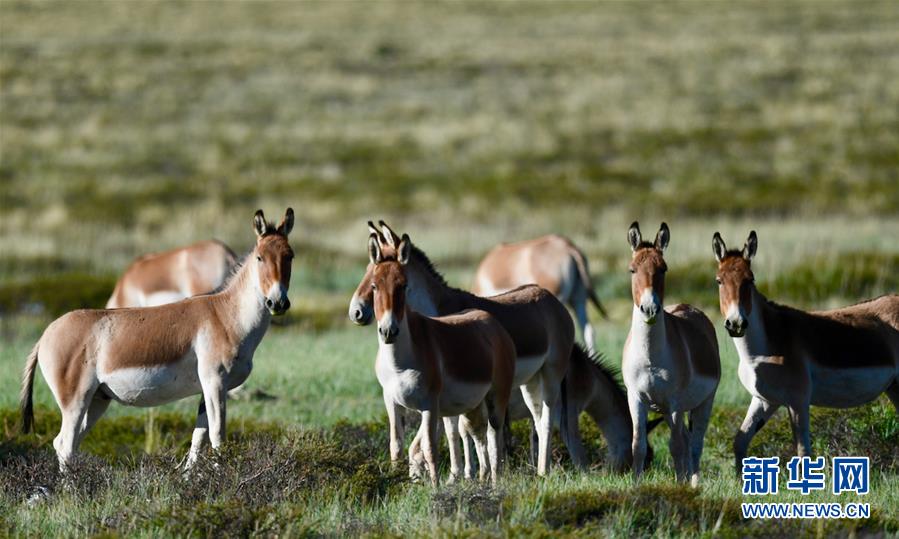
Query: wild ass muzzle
x=153, y=355
x=551, y=262
x=457, y=365
x=170, y=276
x=670, y=361
x=537, y=322
x=839, y=358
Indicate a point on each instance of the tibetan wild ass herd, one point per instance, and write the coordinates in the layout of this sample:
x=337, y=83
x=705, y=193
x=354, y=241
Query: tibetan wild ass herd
x=188, y=321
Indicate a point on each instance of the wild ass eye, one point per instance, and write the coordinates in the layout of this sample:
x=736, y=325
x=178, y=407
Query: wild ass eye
x=718, y=280
x=373, y=286
x=632, y=270
x=259, y=258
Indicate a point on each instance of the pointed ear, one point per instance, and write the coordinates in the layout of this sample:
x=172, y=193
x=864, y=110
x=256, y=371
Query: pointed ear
x=393, y=239
x=259, y=224
x=372, y=229
x=374, y=249
x=662, y=237
x=752, y=244
x=718, y=247
x=287, y=223
x=633, y=235
x=404, y=250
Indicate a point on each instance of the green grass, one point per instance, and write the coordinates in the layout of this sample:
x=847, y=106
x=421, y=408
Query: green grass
x=133, y=128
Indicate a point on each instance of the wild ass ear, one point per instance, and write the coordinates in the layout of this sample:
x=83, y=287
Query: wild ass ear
x=752, y=243
x=393, y=239
x=259, y=224
x=633, y=235
x=718, y=247
x=372, y=229
x=662, y=237
x=374, y=249
x=404, y=250
x=287, y=223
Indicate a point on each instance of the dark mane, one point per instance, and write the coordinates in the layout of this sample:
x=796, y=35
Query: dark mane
x=599, y=361
x=423, y=258
x=733, y=252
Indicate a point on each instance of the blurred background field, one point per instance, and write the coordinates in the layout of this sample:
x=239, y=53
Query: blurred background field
x=131, y=127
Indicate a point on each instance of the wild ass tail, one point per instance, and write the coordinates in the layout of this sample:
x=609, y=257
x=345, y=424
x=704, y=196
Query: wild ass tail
x=581, y=262
x=26, y=402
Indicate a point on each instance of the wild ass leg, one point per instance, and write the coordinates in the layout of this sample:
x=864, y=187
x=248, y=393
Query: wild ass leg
x=66, y=442
x=215, y=398
x=451, y=429
x=395, y=432
x=579, y=304
x=496, y=418
x=699, y=422
x=430, y=419
x=638, y=419
x=199, y=437
x=799, y=421
x=542, y=399
x=416, y=458
x=467, y=451
x=679, y=445
x=475, y=423
x=573, y=440
x=758, y=413
x=98, y=406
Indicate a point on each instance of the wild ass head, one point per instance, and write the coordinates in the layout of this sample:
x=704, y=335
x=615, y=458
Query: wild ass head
x=361, y=309
x=735, y=282
x=388, y=285
x=648, y=269
x=273, y=257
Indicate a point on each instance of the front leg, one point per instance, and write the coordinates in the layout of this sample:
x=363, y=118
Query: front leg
x=214, y=397
x=395, y=432
x=638, y=418
x=679, y=446
x=200, y=436
x=758, y=413
x=430, y=419
x=451, y=428
x=799, y=421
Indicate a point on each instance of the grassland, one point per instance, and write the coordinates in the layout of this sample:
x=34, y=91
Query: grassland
x=133, y=127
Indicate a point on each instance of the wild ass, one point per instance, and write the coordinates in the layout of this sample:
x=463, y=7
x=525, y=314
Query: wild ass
x=669, y=365
x=538, y=323
x=153, y=355
x=457, y=365
x=839, y=358
x=552, y=262
x=169, y=276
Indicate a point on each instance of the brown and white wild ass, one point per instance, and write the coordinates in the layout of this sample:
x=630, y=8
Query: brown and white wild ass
x=153, y=355
x=552, y=262
x=456, y=365
x=169, y=276
x=537, y=322
x=839, y=358
x=670, y=361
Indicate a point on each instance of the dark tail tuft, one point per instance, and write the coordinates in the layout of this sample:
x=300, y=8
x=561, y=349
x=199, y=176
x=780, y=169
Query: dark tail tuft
x=26, y=401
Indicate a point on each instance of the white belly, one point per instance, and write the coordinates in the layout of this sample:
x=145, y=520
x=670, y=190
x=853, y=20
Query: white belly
x=152, y=386
x=461, y=397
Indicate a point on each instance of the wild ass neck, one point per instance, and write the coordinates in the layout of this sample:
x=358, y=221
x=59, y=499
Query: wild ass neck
x=241, y=304
x=400, y=354
x=754, y=343
x=649, y=342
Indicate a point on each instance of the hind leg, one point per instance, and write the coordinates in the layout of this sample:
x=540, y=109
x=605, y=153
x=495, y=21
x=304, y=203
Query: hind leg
x=699, y=422
x=96, y=409
x=451, y=428
x=66, y=442
x=579, y=305
x=799, y=421
x=200, y=436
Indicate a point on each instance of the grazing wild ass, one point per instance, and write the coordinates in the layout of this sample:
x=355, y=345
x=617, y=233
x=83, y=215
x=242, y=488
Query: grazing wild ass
x=670, y=361
x=456, y=365
x=552, y=262
x=170, y=276
x=538, y=323
x=149, y=356
x=838, y=358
